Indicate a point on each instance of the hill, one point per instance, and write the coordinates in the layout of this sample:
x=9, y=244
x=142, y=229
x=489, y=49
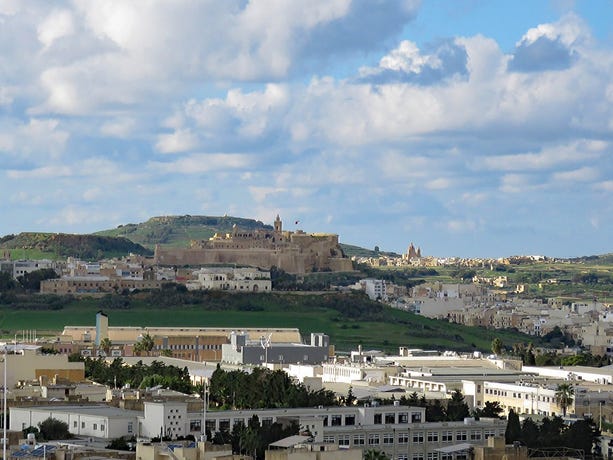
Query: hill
x=61, y=245
x=178, y=231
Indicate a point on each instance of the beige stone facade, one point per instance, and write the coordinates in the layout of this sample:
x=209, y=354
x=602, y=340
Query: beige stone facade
x=293, y=252
x=94, y=285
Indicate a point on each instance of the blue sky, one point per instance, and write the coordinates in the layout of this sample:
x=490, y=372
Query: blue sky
x=471, y=128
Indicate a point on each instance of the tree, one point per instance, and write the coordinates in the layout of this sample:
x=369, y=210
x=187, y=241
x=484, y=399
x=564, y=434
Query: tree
x=374, y=454
x=51, y=429
x=497, y=346
x=435, y=412
x=32, y=429
x=565, y=396
x=145, y=344
x=582, y=434
x=491, y=409
x=105, y=344
x=513, y=431
x=457, y=409
x=118, y=444
x=31, y=281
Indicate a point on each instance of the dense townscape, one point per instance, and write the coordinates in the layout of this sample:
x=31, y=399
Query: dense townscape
x=259, y=391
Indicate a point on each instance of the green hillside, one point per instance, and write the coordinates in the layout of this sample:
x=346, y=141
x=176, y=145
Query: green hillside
x=349, y=319
x=178, y=231
x=31, y=245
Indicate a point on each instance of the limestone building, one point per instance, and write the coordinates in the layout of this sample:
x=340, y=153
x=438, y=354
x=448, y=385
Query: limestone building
x=293, y=252
x=231, y=279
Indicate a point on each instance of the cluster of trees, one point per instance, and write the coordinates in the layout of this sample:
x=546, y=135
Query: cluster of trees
x=49, y=429
x=455, y=410
x=553, y=432
x=138, y=375
x=262, y=388
x=253, y=439
x=28, y=282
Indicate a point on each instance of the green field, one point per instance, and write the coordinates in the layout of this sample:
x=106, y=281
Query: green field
x=394, y=328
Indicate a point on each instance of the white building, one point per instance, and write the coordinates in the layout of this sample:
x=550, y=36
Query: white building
x=98, y=421
x=400, y=431
x=231, y=279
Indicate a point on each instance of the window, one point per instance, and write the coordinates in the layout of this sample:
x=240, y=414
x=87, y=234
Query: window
x=432, y=436
x=418, y=456
x=475, y=436
x=461, y=436
x=74, y=424
x=432, y=456
x=447, y=436
x=101, y=427
x=266, y=421
x=95, y=426
x=349, y=420
x=130, y=427
x=224, y=424
x=418, y=437
x=403, y=417
x=343, y=440
x=403, y=438
x=329, y=439
x=489, y=433
x=373, y=439
x=358, y=439
x=82, y=424
x=415, y=417
x=403, y=457
x=390, y=418
x=336, y=420
x=388, y=438
x=378, y=419
x=195, y=425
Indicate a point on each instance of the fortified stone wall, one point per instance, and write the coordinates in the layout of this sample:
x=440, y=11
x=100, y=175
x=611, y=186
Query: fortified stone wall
x=293, y=252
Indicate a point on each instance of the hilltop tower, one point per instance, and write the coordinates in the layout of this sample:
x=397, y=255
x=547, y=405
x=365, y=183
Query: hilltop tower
x=278, y=225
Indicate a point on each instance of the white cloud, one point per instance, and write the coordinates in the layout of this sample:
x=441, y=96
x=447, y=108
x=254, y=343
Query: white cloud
x=59, y=23
x=38, y=138
x=181, y=140
x=584, y=174
x=121, y=127
x=44, y=172
x=460, y=226
x=549, y=157
x=202, y=163
x=606, y=186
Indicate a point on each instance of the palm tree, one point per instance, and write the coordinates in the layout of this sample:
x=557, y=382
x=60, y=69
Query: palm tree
x=564, y=396
x=105, y=344
x=144, y=344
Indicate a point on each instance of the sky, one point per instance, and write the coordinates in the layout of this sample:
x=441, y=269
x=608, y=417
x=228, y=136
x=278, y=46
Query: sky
x=472, y=128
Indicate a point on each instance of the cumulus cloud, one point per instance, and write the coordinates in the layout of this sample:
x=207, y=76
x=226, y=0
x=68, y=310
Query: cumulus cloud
x=549, y=46
x=407, y=64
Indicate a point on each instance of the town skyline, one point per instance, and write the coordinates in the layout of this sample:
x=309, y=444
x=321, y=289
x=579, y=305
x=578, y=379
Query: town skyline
x=471, y=129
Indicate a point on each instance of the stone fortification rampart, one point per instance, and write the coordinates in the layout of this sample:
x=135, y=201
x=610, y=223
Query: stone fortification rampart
x=294, y=252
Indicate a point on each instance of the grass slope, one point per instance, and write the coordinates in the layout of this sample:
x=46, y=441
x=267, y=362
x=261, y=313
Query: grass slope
x=178, y=231
x=35, y=245
x=373, y=325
